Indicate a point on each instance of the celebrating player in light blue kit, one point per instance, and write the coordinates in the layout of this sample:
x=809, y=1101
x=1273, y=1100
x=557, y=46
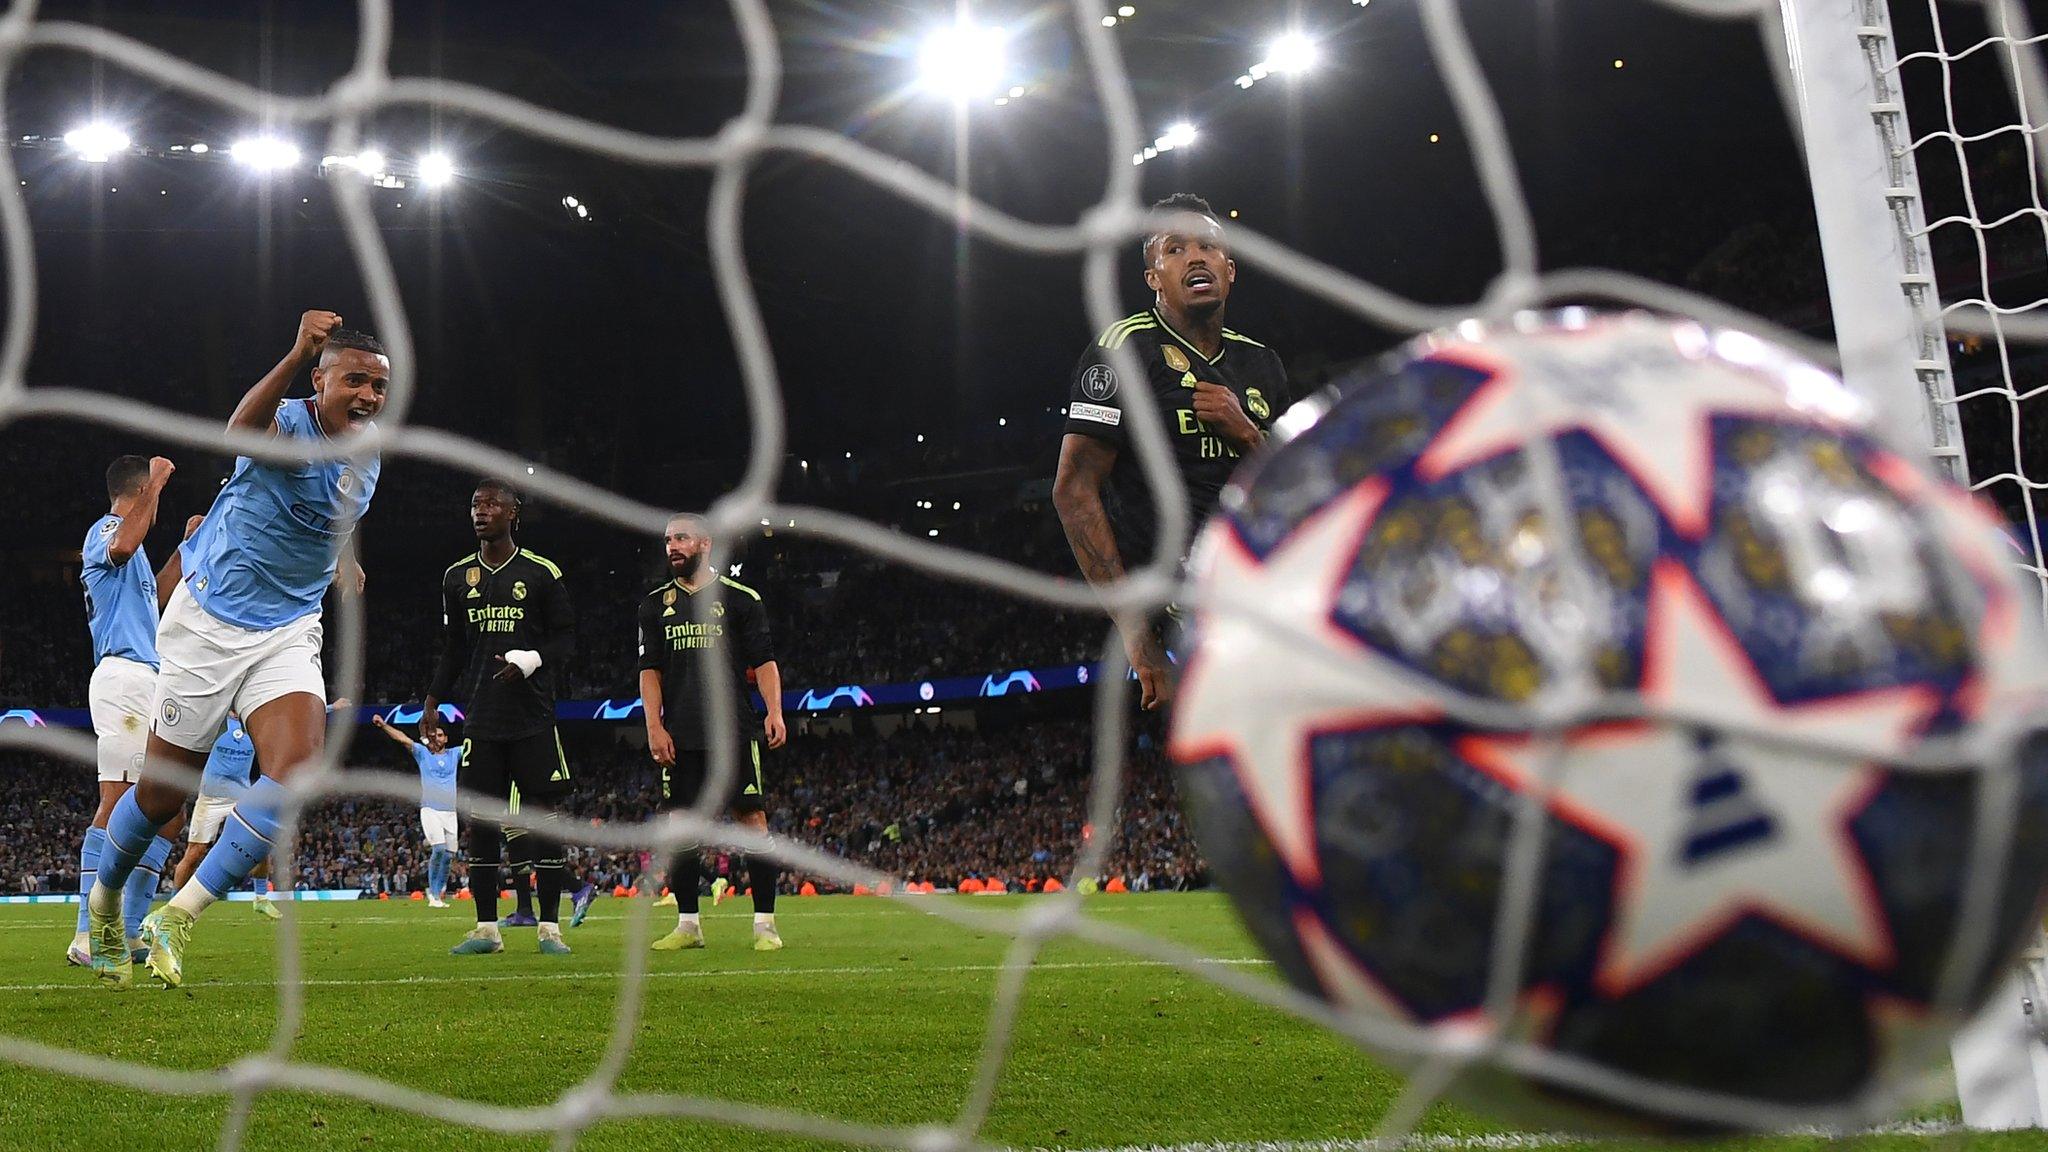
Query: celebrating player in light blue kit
x=242, y=632
x=121, y=606
x=437, y=763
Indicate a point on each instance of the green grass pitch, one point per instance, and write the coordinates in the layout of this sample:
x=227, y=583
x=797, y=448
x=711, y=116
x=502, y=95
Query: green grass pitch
x=874, y=1014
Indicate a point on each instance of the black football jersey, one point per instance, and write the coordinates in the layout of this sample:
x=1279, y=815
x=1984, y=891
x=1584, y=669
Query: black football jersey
x=487, y=612
x=1171, y=367
x=672, y=642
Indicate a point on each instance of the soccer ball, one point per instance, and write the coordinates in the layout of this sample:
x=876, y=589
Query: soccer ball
x=1657, y=588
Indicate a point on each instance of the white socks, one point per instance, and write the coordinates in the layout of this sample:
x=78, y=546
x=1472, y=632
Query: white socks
x=105, y=901
x=686, y=920
x=764, y=919
x=193, y=898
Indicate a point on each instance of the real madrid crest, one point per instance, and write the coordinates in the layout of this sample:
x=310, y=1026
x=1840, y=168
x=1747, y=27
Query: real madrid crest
x=1257, y=404
x=474, y=576
x=519, y=589
x=1176, y=359
x=718, y=609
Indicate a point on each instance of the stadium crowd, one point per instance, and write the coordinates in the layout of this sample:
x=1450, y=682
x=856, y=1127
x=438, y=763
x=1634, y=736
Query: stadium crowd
x=937, y=804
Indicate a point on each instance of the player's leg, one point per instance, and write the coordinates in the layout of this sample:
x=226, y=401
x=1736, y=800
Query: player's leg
x=519, y=853
x=545, y=769
x=681, y=782
x=202, y=665
x=260, y=881
x=133, y=831
x=146, y=879
x=438, y=826
x=119, y=698
x=483, y=771
x=764, y=872
x=540, y=771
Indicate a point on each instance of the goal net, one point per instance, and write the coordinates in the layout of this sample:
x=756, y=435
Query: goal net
x=1964, y=315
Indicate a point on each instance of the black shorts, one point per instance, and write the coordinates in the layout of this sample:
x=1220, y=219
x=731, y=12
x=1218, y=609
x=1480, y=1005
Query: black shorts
x=683, y=781
x=527, y=768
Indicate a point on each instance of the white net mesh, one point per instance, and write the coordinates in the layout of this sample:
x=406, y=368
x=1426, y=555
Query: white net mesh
x=1099, y=236
x=1977, y=99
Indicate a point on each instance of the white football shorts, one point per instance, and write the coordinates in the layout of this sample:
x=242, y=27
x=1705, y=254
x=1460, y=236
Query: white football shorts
x=119, y=698
x=439, y=825
x=209, y=813
x=211, y=667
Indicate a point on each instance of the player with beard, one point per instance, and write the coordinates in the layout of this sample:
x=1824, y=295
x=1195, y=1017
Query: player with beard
x=1217, y=390
x=674, y=648
x=507, y=626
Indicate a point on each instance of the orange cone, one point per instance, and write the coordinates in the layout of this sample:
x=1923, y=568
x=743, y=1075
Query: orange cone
x=417, y=896
x=1052, y=884
x=995, y=884
x=383, y=895
x=861, y=890
x=619, y=891
x=1116, y=884
x=462, y=894
x=809, y=889
x=972, y=884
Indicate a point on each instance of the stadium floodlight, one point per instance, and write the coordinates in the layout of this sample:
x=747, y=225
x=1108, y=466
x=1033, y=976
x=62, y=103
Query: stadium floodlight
x=97, y=141
x=963, y=61
x=369, y=162
x=264, y=153
x=436, y=169
x=1178, y=135
x=1293, y=52
x=199, y=148
x=1127, y=11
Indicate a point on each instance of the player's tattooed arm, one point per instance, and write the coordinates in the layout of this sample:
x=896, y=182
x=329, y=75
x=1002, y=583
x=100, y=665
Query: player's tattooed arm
x=1077, y=497
x=258, y=410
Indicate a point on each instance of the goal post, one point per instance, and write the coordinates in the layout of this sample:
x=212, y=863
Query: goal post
x=1873, y=229
x=1886, y=299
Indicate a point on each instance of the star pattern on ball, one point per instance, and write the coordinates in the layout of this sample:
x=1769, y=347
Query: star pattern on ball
x=1713, y=825
x=1253, y=696
x=1655, y=426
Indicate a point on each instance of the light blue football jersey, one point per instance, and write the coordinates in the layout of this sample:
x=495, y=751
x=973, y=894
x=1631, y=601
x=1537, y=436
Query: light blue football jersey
x=267, y=551
x=120, y=600
x=228, y=765
x=437, y=776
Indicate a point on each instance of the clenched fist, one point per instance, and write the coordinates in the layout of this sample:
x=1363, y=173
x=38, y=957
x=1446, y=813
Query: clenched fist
x=313, y=329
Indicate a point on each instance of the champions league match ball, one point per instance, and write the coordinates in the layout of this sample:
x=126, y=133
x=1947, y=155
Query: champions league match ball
x=1660, y=586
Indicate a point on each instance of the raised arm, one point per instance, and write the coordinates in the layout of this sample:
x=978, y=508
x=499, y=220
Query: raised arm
x=136, y=524
x=404, y=741
x=257, y=411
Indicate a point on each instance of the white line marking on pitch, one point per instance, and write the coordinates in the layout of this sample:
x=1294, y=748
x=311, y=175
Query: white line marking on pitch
x=907, y=969
x=1488, y=1142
